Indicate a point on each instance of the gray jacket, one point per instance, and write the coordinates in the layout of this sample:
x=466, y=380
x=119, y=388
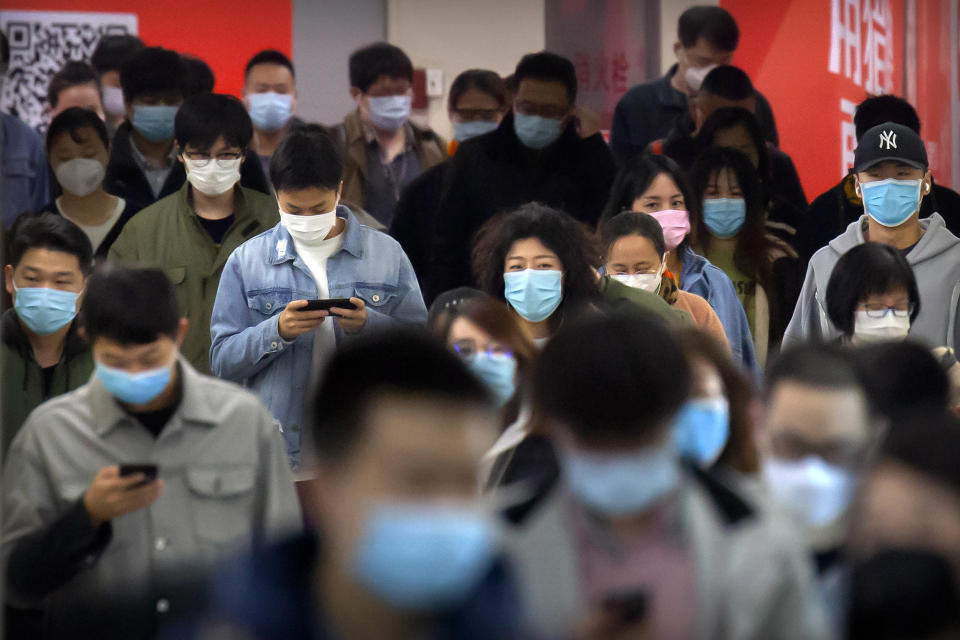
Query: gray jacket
x=936, y=264
x=753, y=580
x=227, y=486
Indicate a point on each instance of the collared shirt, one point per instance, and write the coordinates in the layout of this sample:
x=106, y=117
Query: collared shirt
x=155, y=175
x=387, y=180
x=227, y=487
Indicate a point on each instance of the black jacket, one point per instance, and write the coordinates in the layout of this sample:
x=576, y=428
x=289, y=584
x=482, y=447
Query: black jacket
x=495, y=172
x=125, y=179
x=415, y=217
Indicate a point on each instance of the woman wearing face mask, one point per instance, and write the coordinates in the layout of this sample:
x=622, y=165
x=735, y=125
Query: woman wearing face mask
x=78, y=149
x=731, y=232
x=635, y=254
x=656, y=185
x=478, y=99
x=872, y=295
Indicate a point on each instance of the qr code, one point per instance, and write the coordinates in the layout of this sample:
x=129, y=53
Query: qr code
x=40, y=43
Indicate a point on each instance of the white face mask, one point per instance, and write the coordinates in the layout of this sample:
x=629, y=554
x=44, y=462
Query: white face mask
x=886, y=329
x=113, y=101
x=212, y=179
x=695, y=76
x=646, y=281
x=820, y=492
x=81, y=176
x=309, y=229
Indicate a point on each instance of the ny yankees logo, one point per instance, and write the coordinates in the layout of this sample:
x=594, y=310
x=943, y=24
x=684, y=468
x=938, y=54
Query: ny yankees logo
x=888, y=140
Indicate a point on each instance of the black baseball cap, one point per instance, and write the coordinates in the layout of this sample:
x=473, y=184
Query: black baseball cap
x=890, y=142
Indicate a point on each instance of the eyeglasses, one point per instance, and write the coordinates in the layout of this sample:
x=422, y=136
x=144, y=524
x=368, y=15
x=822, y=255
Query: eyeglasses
x=839, y=452
x=881, y=312
x=542, y=110
x=467, y=347
x=475, y=115
x=201, y=159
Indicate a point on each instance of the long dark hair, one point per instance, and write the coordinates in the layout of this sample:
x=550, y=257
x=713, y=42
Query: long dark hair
x=752, y=252
x=729, y=117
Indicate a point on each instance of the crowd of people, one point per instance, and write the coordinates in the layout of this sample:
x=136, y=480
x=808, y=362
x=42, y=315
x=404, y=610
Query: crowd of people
x=266, y=378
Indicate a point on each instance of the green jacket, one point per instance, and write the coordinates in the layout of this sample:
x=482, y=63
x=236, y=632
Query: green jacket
x=22, y=382
x=621, y=297
x=168, y=235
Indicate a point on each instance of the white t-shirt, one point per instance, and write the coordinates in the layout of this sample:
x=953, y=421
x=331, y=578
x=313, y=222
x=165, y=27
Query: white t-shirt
x=98, y=232
x=315, y=257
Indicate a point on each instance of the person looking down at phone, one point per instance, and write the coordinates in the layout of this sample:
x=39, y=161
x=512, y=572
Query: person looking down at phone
x=104, y=554
x=272, y=320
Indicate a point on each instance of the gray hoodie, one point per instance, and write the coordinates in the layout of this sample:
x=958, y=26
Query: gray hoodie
x=936, y=265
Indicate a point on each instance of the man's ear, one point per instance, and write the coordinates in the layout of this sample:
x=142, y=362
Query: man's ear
x=8, y=278
x=355, y=93
x=182, y=327
x=856, y=187
x=927, y=183
x=676, y=48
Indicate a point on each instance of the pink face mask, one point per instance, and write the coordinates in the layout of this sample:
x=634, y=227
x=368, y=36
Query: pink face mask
x=676, y=226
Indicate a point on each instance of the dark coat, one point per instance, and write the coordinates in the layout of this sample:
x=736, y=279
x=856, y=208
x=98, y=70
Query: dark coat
x=416, y=215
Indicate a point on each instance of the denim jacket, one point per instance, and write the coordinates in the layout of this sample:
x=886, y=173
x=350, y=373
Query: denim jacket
x=702, y=277
x=264, y=274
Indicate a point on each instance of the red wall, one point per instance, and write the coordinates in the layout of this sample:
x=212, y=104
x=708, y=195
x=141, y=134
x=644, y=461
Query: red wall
x=933, y=86
x=224, y=33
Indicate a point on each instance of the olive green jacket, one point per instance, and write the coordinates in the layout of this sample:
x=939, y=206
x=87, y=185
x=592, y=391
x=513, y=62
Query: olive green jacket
x=168, y=235
x=621, y=297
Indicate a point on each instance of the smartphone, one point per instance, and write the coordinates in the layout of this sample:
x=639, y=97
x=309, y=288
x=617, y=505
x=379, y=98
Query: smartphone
x=326, y=305
x=629, y=607
x=149, y=472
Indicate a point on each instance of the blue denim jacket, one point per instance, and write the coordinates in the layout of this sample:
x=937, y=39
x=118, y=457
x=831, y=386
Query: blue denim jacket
x=702, y=277
x=24, y=176
x=264, y=274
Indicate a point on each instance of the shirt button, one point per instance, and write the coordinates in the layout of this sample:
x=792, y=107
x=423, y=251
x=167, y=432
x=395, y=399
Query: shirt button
x=269, y=306
x=273, y=345
x=376, y=298
x=163, y=605
x=160, y=544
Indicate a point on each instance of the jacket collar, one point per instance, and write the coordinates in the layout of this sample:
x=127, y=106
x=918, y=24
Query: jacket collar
x=282, y=248
x=195, y=407
x=15, y=337
x=241, y=209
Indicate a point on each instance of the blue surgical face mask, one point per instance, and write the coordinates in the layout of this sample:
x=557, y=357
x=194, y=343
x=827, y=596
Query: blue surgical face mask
x=891, y=202
x=536, y=132
x=390, y=112
x=423, y=557
x=498, y=371
x=534, y=293
x=134, y=388
x=702, y=429
x=154, y=122
x=724, y=217
x=269, y=111
x=44, y=310
x=819, y=491
x=622, y=484
x=466, y=130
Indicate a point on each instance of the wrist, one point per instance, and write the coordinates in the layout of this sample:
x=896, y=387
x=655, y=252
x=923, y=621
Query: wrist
x=95, y=520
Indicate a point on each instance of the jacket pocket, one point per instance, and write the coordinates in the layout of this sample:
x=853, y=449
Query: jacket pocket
x=269, y=302
x=222, y=502
x=376, y=296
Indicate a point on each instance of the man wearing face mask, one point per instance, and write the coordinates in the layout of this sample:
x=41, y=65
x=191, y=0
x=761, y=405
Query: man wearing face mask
x=42, y=355
x=706, y=38
x=270, y=94
x=264, y=335
x=547, y=150
x=109, y=551
x=108, y=58
x=383, y=151
x=893, y=179
x=191, y=233
x=632, y=541
x=814, y=443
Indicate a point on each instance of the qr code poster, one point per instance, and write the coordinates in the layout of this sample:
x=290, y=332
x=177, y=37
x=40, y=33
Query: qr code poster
x=40, y=43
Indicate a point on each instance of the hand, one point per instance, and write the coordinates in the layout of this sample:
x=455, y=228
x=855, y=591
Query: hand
x=294, y=321
x=351, y=320
x=111, y=495
x=588, y=121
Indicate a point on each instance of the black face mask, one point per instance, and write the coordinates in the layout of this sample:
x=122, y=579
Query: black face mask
x=903, y=593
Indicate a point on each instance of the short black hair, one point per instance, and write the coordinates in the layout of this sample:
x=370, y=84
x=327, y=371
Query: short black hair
x=612, y=379
x=729, y=82
x=713, y=24
x=448, y=301
x=815, y=364
x=206, y=116
x=269, y=56
x=49, y=231
x=200, y=78
x=71, y=121
x=877, y=110
x=153, y=71
x=867, y=269
x=130, y=305
x=926, y=439
x=482, y=80
x=902, y=376
x=73, y=74
x=549, y=67
x=728, y=118
x=307, y=157
x=632, y=223
x=113, y=51
x=380, y=59
x=406, y=362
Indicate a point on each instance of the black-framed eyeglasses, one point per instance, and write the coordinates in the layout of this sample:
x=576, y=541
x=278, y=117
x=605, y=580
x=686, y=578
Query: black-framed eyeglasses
x=201, y=159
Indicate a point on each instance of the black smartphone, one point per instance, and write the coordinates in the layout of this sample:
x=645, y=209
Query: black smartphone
x=149, y=472
x=326, y=305
x=629, y=607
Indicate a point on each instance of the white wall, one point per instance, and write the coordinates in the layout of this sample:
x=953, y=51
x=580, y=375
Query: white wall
x=670, y=11
x=456, y=35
